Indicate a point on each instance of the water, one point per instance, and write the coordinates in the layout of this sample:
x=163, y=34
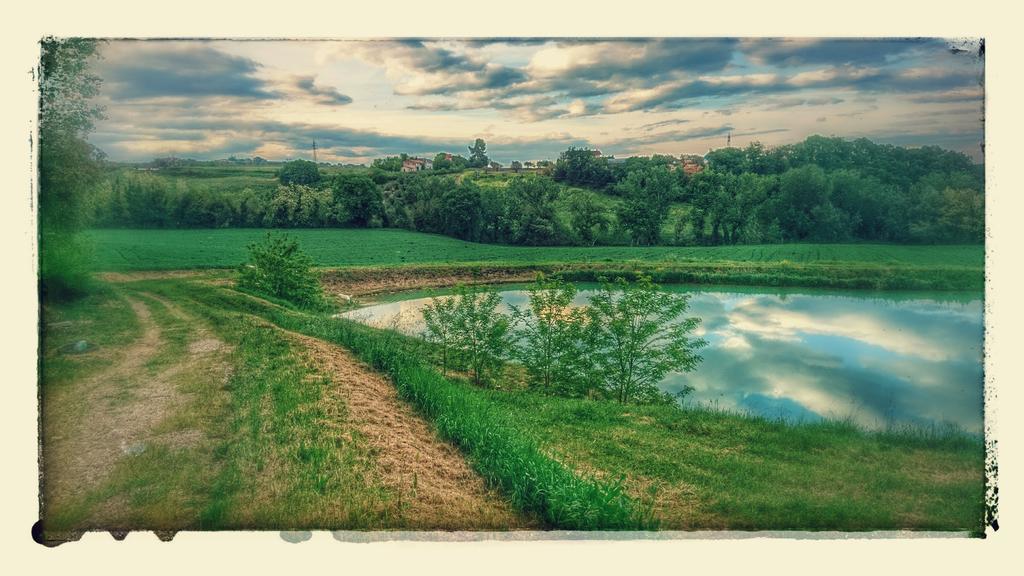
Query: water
x=879, y=359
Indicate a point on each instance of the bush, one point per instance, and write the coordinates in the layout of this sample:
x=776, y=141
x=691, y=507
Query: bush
x=278, y=268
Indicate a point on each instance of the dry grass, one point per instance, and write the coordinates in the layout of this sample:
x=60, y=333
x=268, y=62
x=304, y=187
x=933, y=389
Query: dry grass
x=436, y=487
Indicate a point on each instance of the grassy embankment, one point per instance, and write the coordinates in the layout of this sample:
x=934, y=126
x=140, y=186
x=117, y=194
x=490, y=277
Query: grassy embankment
x=688, y=469
x=363, y=253
x=244, y=433
x=254, y=439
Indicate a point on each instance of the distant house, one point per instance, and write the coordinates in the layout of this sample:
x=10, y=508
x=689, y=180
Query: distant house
x=416, y=164
x=692, y=164
x=596, y=153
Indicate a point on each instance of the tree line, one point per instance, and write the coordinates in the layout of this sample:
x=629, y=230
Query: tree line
x=820, y=190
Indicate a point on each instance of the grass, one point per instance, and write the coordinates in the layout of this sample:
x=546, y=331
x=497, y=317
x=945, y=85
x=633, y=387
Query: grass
x=835, y=265
x=717, y=470
x=503, y=455
x=266, y=454
x=697, y=468
x=102, y=318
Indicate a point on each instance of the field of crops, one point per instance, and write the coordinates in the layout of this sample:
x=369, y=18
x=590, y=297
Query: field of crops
x=130, y=250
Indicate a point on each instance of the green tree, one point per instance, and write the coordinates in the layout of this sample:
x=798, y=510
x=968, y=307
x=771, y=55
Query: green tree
x=636, y=334
x=481, y=331
x=582, y=167
x=69, y=167
x=548, y=337
x=358, y=197
x=516, y=166
x=478, y=154
x=461, y=207
x=441, y=161
x=278, y=268
x=389, y=164
x=299, y=172
x=647, y=195
x=440, y=320
x=537, y=222
x=587, y=216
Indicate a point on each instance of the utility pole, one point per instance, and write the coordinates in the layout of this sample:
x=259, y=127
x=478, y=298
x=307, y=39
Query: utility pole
x=728, y=140
x=314, y=151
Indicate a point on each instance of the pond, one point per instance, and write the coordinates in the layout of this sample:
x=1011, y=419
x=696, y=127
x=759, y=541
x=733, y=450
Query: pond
x=876, y=358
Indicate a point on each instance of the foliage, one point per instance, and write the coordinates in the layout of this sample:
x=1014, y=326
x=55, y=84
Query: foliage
x=359, y=197
x=299, y=172
x=636, y=334
x=548, y=340
x=807, y=192
x=478, y=154
x=278, y=268
x=588, y=217
x=535, y=220
x=440, y=321
x=481, y=333
x=582, y=167
x=469, y=331
x=646, y=197
x=389, y=164
x=69, y=167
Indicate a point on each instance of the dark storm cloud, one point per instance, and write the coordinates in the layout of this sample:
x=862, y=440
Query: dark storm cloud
x=154, y=69
x=837, y=52
x=320, y=93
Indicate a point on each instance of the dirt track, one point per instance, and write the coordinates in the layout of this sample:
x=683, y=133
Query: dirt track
x=438, y=488
x=89, y=425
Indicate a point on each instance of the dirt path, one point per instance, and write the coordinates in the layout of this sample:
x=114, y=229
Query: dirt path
x=90, y=425
x=440, y=490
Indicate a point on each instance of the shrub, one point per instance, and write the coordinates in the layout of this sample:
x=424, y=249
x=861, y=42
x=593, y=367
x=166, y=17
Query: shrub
x=278, y=268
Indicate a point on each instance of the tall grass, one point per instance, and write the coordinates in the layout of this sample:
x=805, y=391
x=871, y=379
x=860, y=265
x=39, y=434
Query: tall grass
x=506, y=458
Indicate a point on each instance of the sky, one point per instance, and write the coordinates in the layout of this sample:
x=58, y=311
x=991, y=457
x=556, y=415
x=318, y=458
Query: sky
x=530, y=98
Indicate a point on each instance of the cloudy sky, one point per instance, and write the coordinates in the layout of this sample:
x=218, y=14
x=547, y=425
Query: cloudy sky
x=530, y=98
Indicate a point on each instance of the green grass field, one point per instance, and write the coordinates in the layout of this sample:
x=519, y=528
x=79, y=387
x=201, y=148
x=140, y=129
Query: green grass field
x=131, y=250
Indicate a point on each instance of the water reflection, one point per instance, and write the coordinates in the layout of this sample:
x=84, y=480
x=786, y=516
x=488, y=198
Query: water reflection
x=879, y=361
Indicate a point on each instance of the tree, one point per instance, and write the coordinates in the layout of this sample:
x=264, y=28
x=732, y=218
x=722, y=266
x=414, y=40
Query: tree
x=301, y=172
x=587, y=216
x=582, y=167
x=358, y=197
x=442, y=161
x=801, y=191
x=647, y=195
x=481, y=331
x=461, y=207
x=278, y=268
x=69, y=167
x=440, y=321
x=537, y=223
x=548, y=337
x=636, y=334
x=516, y=166
x=389, y=164
x=478, y=154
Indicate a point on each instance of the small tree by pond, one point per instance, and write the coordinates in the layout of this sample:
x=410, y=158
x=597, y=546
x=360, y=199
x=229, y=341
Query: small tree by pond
x=439, y=317
x=278, y=268
x=548, y=337
x=469, y=329
x=481, y=332
x=636, y=334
